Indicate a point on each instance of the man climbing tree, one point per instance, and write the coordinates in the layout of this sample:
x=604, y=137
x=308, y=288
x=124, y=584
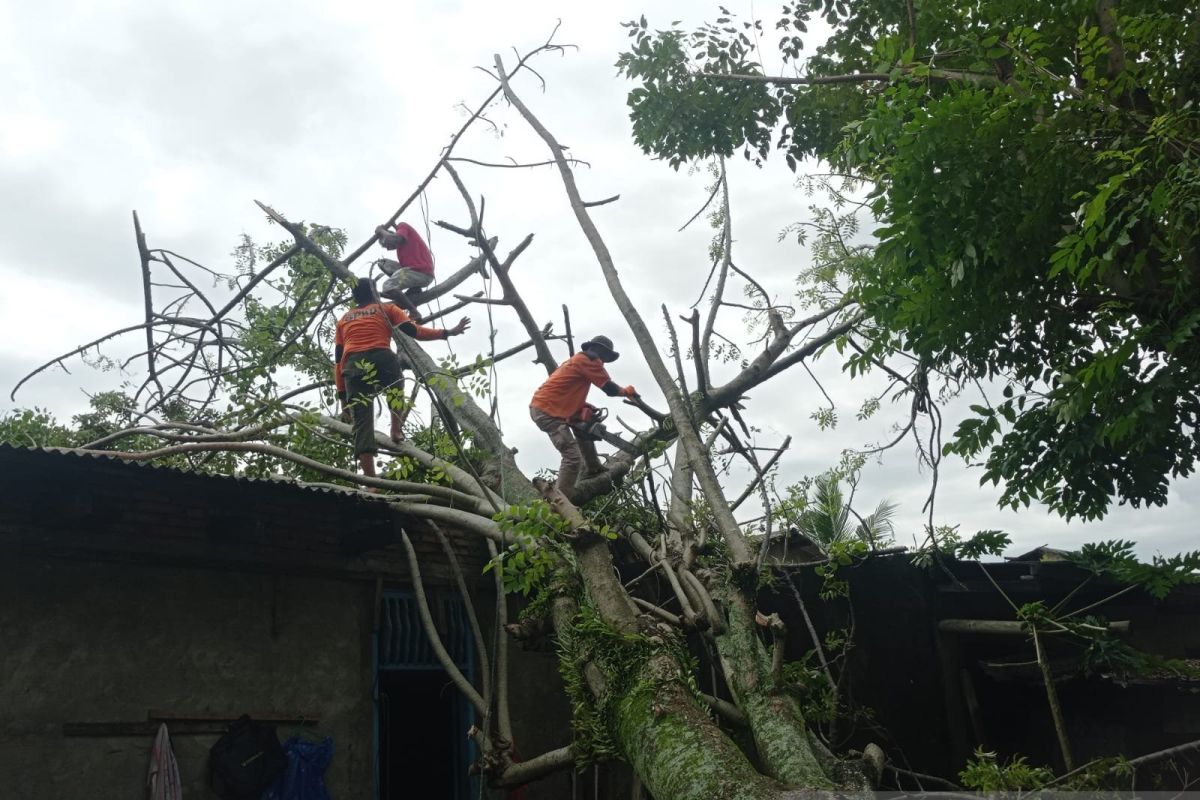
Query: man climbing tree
x=364, y=365
x=410, y=271
x=561, y=400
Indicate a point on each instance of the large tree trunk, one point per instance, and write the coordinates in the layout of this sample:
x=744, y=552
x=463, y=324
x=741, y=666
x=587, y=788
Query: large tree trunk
x=676, y=748
x=776, y=722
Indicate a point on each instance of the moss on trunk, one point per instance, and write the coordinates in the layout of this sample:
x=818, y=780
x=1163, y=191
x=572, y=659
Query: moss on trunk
x=780, y=734
x=676, y=749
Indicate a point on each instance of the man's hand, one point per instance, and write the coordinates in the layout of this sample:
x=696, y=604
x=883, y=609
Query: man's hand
x=462, y=325
x=629, y=391
x=389, y=238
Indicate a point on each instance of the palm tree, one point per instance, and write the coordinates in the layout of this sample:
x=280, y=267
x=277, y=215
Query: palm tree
x=829, y=518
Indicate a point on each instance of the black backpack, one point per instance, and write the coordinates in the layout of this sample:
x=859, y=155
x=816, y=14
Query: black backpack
x=246, y=760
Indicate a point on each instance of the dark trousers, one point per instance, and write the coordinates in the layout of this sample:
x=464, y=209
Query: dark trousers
x=367, y=374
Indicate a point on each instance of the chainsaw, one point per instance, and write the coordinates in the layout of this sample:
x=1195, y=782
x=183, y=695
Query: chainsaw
x=589, y=424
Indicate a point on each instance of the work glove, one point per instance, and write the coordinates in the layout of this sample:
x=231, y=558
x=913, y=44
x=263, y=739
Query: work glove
x=629, y=391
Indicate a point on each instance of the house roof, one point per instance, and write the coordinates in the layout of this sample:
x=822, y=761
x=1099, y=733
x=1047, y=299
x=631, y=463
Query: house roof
x=63, y=503
x=1041, y=554
x=10, y=454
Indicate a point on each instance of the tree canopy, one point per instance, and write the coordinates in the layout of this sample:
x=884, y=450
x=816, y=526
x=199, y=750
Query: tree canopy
x=1034, y=169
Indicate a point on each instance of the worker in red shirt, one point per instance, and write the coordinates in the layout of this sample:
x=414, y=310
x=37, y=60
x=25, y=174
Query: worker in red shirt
x=562, y=397
x=364, y=364
x=411, y=270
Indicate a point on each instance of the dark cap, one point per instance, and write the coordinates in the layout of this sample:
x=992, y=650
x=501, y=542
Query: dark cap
x=601, y=347
x=363, y=291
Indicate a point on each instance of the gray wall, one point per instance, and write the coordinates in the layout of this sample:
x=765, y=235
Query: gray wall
x=107, y=642
x=90, y=642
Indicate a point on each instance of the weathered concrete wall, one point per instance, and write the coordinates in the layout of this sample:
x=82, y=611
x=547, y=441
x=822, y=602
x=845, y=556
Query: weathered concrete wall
x=98, y=642
x=107, y=642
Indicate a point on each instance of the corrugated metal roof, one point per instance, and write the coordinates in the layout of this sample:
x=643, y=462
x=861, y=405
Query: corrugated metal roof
x=279, y=481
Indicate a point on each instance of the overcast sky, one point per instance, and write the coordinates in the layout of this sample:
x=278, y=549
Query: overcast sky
x=332, y=113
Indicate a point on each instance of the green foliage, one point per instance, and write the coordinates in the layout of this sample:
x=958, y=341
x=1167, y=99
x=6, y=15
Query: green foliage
x=273, y=327
x=947, y=541
x=1115, y=559
x=806, y=679
x=621, y=659
x=985, y=773
x=982, y=543
x=530, y=561
x=109, y=412
x=1107, y=654
x=841, y=554
x=1034, y=170
x=34, y=427
x=819, y=509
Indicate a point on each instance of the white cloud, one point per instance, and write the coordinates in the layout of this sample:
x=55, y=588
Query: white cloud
x=188, y=111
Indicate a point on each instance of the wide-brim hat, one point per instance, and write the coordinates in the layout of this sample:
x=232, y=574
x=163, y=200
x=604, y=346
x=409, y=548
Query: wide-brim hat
x=602, y=346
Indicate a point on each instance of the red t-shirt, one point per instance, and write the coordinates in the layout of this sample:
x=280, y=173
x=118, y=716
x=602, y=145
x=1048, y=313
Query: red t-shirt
x=414, y=253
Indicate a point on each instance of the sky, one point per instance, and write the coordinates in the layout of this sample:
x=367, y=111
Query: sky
x=332, y=113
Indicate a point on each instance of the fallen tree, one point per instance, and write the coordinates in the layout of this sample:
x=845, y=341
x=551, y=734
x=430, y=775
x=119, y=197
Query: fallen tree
x=627, y=664
x=242, y=384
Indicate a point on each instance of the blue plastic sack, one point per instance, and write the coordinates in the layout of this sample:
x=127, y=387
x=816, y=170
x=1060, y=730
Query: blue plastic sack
x=304, y=778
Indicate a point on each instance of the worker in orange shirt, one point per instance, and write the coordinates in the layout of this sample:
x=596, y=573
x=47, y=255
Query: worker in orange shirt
x=562, y=397
x=364, y=364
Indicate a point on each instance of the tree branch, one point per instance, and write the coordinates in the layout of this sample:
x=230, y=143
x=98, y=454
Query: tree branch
x=485, y=672
x=855, y=77
x=431, y=632
x=687, y=432
x=511, y=295
x=522, y=772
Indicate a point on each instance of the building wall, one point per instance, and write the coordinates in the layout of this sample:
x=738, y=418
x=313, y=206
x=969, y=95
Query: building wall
x=107, y=642
x=102, y=642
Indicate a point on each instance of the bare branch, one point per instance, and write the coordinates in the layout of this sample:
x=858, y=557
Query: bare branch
x=511, y=295
x=679, y=411
x=514, y=164
x=760, y=474
x=723, y=270
x=302, y=239
x=726, y=710
x=548, y=46
x=485, y=672
x=148, y=303
x=604, y=202
x=456, y=498
x=523, y=772
x=487, y=301
x=698, y=354
x=512, y=351
x=503, y=716
x=567, y=327
x=431, y=632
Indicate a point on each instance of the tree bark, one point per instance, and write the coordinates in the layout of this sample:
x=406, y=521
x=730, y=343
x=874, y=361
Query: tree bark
x=774, y=718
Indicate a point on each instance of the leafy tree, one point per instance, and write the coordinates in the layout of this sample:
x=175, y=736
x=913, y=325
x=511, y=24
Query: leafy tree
x=1035, y=172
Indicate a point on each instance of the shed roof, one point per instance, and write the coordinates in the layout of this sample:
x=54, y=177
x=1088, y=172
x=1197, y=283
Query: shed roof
x=69, y=504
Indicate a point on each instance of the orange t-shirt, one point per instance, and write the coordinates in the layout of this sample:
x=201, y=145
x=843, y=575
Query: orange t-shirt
x=369, y=327
x=564, y=392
